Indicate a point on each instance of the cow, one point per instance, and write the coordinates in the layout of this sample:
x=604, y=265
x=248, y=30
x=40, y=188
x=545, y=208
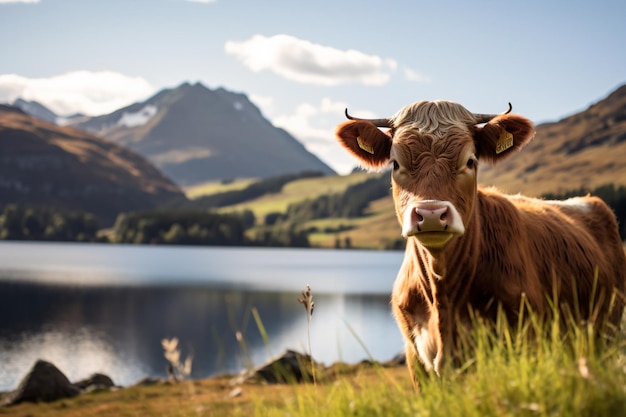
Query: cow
x=474, y=251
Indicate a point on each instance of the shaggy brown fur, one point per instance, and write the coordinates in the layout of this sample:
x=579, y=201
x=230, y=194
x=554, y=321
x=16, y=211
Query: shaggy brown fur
x=511, y=247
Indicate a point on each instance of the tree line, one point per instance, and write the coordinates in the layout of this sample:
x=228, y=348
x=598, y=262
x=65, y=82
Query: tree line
x=202, y=227
x=23, y=222
x=350, y=203
x=194, y=227
x=181, y=227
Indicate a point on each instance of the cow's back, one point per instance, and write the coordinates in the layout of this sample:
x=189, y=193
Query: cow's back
x=570, y=249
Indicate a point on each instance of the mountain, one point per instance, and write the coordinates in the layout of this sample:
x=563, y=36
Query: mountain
x=36, y=109
x=587, y=149
x=40, y=111
x=194, y=135
x=45, y=164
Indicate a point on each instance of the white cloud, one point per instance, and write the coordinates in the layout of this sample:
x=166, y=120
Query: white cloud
x=18, y=1
x=306, y=62
x=314, y=126
x=91, y=93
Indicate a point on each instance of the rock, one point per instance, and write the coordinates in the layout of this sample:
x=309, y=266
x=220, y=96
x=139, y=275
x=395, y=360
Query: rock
x=398, y=360
x=95, y=382
x=290, y=367
x=45, y=382
x=149, y=381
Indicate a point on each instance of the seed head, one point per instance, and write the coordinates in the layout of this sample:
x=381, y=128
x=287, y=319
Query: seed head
x=307, y=300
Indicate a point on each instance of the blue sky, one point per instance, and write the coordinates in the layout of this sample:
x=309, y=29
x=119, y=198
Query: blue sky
x=301, y=63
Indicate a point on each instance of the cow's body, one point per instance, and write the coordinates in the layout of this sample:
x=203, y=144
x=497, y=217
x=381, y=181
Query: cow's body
x=471, y=250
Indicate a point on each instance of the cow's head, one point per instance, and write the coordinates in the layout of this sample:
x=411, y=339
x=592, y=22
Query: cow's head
x=434, y=148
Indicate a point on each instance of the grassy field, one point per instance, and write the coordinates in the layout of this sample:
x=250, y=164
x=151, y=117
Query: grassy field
x=506, y=373
x=214, y=397
x=296, y=191
x=376, y=230
x=214, y=187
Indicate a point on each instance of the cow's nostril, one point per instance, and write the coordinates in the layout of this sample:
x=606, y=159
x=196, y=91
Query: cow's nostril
x=443, y=216
x=420, y=218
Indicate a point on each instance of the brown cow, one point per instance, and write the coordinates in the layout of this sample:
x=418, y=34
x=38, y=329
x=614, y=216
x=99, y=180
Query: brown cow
x=469, y=249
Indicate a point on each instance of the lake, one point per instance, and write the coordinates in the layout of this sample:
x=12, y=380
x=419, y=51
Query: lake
x=105, y=308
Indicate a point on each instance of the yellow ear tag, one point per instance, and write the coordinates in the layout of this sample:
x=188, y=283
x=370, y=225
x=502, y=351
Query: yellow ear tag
x=504, y=142
x=365, y=146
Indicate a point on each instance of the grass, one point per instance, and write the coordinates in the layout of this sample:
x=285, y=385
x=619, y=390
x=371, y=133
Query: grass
x=296, y=191
x=506, y=373
x=309, y=306
x=375, y=230
x=214, y=187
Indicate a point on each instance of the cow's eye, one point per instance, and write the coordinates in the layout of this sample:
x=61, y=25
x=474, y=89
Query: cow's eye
x=471, y=163
x=396, y=166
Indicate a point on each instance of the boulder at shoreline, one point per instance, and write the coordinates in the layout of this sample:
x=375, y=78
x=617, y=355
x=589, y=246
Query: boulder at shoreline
x=46, y=383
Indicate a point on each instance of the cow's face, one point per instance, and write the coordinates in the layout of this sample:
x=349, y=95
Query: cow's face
x=434, y=149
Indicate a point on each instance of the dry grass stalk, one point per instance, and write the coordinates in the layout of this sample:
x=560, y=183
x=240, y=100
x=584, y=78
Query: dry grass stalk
x=176, y=370
x=309, y=305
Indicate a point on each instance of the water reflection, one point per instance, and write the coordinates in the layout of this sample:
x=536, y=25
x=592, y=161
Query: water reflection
x=78, y=353
x=262, y=269
x=118, y=330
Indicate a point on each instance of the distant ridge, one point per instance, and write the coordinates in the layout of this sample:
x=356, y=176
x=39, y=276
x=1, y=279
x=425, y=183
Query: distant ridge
x=40, y=111
x=36, y=109
x=587, y=149
x=194, y=134
x=45, y=164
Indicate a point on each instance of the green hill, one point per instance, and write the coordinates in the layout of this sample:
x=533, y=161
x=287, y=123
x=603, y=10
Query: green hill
x=312, y=204
x=42, y=164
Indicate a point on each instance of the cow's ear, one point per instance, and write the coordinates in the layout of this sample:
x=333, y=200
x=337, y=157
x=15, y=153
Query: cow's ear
x=366, y=142
x=502, y=136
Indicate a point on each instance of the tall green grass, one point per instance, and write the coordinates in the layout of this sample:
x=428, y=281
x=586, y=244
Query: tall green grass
x=530, y=368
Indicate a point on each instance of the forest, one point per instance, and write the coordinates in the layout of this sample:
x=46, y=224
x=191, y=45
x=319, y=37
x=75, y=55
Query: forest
x=349, y=204
x=20, y=222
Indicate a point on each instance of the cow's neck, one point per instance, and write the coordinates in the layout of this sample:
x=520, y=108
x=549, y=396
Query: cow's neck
x=446, y=277
x=431, y=293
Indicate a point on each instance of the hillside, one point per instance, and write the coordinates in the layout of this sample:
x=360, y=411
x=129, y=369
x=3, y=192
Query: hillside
x=587, y=149
x=194, y=135
x=44, y=164
x=376, y=229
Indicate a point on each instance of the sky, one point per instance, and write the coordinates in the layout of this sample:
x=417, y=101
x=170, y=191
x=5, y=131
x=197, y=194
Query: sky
x=303, y=62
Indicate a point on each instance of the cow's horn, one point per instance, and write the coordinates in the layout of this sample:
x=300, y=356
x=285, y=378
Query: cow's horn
x=484, y=118
x=377, y=122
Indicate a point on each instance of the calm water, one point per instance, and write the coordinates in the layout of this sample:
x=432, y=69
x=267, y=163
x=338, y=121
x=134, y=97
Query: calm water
x=105, y=308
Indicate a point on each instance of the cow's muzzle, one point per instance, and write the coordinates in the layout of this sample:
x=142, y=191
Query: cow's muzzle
x=433, y=222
